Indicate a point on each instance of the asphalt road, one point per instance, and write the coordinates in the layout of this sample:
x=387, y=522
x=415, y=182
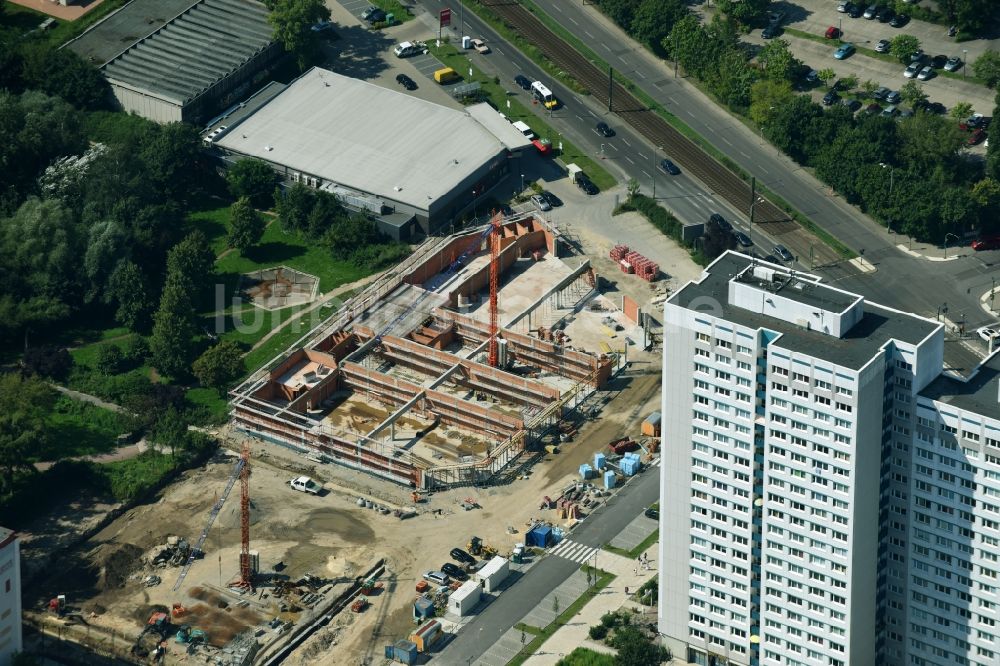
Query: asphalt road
x=901, y=281
x=599, y=528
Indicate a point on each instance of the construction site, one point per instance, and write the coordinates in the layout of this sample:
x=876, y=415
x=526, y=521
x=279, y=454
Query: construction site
x=464, y=386
x=455, y=369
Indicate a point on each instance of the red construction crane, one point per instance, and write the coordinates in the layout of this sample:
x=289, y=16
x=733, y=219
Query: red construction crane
x=246, y=572
x=494, y=238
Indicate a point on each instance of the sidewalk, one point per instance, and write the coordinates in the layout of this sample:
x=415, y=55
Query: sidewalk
x=611, y=598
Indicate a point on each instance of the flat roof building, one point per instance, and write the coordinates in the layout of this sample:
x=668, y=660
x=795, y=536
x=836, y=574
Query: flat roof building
x=378, y=149
x=10, y=595
x=190, y=66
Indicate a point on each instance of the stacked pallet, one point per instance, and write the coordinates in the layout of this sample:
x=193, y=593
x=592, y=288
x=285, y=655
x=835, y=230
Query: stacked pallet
x=618, y=252
x=643, y=267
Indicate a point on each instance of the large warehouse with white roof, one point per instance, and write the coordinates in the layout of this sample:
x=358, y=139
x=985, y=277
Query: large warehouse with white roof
x=405, y=159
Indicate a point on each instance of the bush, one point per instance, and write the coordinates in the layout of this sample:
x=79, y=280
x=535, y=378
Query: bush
x=137, y=351
x=598, y=632
x=110, y=359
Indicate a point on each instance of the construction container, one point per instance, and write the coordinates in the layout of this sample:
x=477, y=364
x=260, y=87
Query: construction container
x=423, y=609
x=586, y=471
x=651, y=426
x=405, y=652
x=539, y=535
x=426, y=635
x=599, y=461
x=492, y=576
x=464, y=599
x=609, y=480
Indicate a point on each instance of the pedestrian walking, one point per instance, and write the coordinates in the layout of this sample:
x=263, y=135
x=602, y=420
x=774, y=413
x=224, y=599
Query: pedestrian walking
x=626, y=590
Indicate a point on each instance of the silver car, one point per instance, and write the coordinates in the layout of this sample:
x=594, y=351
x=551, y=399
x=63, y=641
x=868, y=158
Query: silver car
x=953, y=65
x=541, y=202
x=926, y=73
x=912, y=70
x=882, y=46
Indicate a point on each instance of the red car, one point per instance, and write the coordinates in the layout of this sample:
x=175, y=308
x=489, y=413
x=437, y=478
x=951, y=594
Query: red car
x=986, y=243
x=976, y=137
x=832, y=32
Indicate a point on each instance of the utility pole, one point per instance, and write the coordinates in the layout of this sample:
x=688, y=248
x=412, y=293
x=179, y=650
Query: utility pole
x=611, y=86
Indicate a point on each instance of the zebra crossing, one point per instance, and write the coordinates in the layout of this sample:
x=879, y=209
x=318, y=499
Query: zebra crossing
x=655, y=463
x=573, y=551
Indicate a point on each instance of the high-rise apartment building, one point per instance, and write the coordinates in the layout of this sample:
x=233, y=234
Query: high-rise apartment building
x=829, y=496
x=10, y=596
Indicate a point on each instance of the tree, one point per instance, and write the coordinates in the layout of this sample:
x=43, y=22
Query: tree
x=743, y=11
x=172, y=154
x=827, y=76
x=293, y=207
x=25, y=402
x=632, y=188
x=987, y=67
x=868, y=89
x=653, y=19
x=961, y=111
x=128, y=288
x=902, y=47
x=193, y=263
x=245, y=226
x=291, y=20
x=110, y=359
x=106, y=243
x=47, y=361
x=634, y=649
x=40, y=249
x=253, y=179
x=172, y=341
x=62, y=73
x=777, y=61
x=351, y=235
x=767, y=97
x=849, y=82
x=220, y=365
x=913, y=93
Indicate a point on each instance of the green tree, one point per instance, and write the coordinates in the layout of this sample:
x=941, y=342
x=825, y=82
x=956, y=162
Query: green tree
x=767, y=97
x=172, y=153
x=110, y=359
x=253, y=179
x=653, y=19
x=40, y=249
x=172, y=341
x=293, y=207
x=351, y=235
x=106, y=243
x=849, y=82
x=47, y=361
x=902, y=47
x=827, y=76
x=193, y=262
x=777, y=61
x=634, y=649
x=986, y=192
x=912, y=93
x=961, y=111
x=25, y=402
x=246, y=227
x=291, y=20
x=62, y=73
x=128, y=288
x=632, y=188
x=987, y=67
x=868, y=89
x=743, y=11
x=219, y=366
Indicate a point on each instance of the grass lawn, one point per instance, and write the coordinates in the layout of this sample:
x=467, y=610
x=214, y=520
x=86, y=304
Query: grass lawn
x=213, y=408
x=79, y=428
x=212, y=219
x=87, y=354
x=497, y=93
x=634, y=553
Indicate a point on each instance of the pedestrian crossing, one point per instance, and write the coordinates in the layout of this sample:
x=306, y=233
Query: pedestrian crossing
x=655, y=463
x=573, y=551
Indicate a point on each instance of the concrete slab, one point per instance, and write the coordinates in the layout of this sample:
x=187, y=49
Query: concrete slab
x=501, y=652
x=568, y=591
x=634, y=533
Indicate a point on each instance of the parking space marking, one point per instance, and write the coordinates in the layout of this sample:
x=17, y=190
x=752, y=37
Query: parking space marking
x=726, y=141
x=571, y=19
x=613, y=146
x=623, y=59
x=626, y=142
x=646, y=173
x=630, y=160
x=587, y=32
x=580, y=118
x=640, y=74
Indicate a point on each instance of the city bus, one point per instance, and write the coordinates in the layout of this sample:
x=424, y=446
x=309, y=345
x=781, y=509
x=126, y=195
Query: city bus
x=544, y=95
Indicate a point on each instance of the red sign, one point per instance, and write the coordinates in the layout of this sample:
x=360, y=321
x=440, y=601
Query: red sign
x=445, y=17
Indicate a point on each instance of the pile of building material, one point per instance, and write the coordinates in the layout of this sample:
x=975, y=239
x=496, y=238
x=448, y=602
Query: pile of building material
x=173, y=553
x=633, y=262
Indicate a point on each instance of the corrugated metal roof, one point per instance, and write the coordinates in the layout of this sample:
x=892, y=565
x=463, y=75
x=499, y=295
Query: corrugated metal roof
x=195, y=50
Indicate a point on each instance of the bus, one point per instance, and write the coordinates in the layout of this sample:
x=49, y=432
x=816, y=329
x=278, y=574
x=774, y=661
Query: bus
x=544, y=95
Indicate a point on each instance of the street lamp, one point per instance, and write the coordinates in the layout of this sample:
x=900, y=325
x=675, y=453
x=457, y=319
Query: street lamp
x=522, y=184
x=892, y=173
x=946, y=243
x=942, y=309
x=965, y=57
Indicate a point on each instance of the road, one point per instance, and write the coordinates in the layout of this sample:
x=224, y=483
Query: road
x=599, y=528
x=902, y=281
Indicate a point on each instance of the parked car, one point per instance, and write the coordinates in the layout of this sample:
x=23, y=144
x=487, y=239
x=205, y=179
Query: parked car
x=304, y=484
x=872, y=109
x=880, y=92
x=720, y=222
x=523, y=81
x=775, y=18
x=926, y=73
x=376, y=16
x=918, y=56
x=843, y=6
x=844, y=51
x=871, y=12
x=987, y=333
x=855, y=11
x=852, y=105
x=587, y=185
x=882, y=46
x=437, y=577
x=937, y=107
x=976, y=137
x=742, y=239
x=975, y=121
x=893, y=97
x=552, y=199
x=321, y=26
x=407, y=49
x=899, y=20
x=938, y=61
x=953, y=65
x=783, y=253
x=812, y=76
x=912, y=69
x=770, y=32
x=369, y=10
x=453, y=571
x=832, y=32
x=540, y=202
x=830, y=97
x=986, y=243
x=480, y=46
x=885, y=15
x=406, y=82
x=668, y=167
x=603, y=129
x=890, y=112
x=460, y=555
x=652, y=513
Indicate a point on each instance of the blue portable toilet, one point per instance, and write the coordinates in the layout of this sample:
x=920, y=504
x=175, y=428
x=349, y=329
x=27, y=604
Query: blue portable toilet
x=598, y=461
x=609, y=480
x=585, y=471
x=423, y=608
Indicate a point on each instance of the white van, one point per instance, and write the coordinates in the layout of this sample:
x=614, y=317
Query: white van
x=521, y=127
